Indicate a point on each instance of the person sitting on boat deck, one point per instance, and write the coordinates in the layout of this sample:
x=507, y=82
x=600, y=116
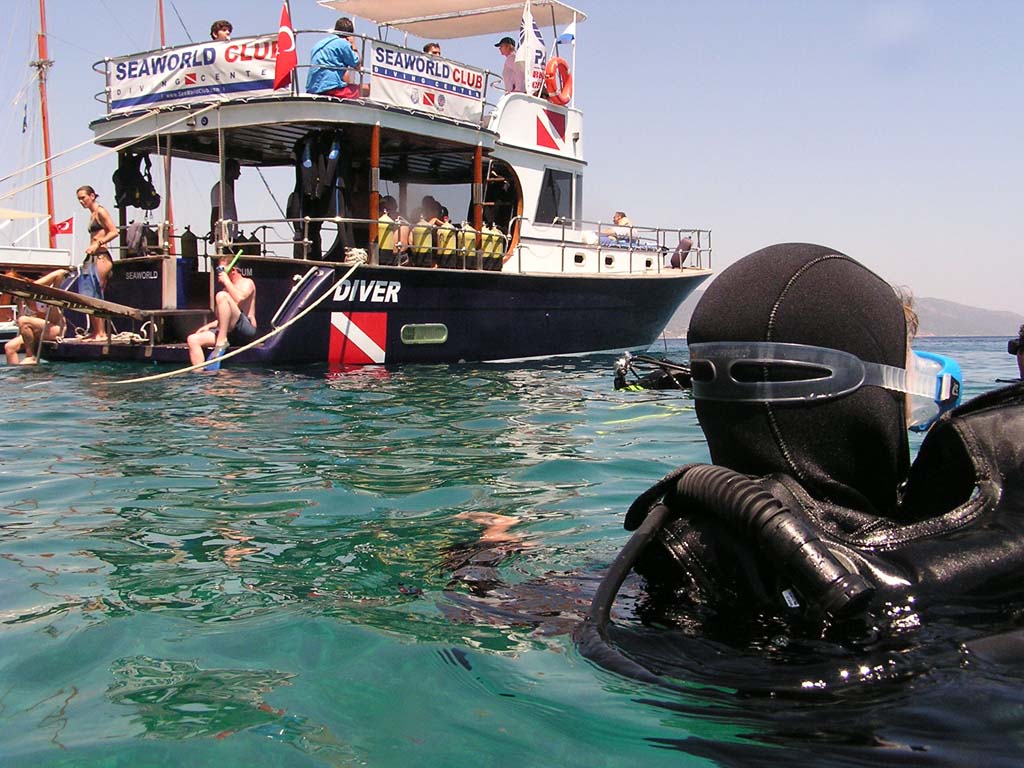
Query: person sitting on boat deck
x=36, y=320
x=512, y=73
x=618, y=233
x=392, y=233
x=432, y=49
x=224, y=236
x=235, y=310
x=98, y=262
x=221, y=30
x=330, y=61
x=1016, y=347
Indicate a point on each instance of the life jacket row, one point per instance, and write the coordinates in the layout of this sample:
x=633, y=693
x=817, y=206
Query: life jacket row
x=442, y=245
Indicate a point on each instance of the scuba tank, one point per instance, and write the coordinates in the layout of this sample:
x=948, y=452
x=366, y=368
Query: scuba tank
x=422, y=243
x=495, y=249
x=386, y=231
x=446, y=245
x=467, y=246
x=189, y=244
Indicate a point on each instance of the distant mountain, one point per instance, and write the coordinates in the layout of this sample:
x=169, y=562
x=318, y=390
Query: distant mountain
x=938, y=317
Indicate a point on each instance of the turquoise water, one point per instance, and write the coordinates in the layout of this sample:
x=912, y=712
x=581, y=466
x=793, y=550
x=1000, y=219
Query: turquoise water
x=285, y=568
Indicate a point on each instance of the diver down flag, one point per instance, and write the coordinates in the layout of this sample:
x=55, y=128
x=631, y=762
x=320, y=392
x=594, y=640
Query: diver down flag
x=551, y=129
x=358, y=338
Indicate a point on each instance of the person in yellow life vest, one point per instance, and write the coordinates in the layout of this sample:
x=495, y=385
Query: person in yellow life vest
x=392, y=233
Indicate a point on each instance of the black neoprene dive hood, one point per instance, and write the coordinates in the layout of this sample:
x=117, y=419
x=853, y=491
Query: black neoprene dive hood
x=852, y=451
x=811, y=516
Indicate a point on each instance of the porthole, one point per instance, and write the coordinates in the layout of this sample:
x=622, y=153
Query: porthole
x=424, y=333
x=579, y=258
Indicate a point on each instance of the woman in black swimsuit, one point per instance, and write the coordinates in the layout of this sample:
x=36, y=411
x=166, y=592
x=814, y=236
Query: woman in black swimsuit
x=98, y=262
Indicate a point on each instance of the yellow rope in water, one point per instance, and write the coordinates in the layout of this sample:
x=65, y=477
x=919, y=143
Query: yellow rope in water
x=251, y=344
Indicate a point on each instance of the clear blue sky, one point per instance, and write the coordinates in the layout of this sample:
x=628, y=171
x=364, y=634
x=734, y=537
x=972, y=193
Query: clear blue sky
x=887, y=130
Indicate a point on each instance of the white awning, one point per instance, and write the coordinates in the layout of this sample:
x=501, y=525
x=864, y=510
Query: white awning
x=448, y=19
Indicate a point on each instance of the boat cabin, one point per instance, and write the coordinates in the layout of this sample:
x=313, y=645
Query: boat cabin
x=459, y=198
x=506, y=166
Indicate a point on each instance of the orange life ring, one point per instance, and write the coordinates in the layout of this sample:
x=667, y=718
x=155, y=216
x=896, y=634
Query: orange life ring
x=558, y=81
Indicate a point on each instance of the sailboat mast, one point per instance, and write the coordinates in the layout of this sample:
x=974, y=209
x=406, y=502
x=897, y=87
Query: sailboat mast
x=168, y=206
x=42, y=65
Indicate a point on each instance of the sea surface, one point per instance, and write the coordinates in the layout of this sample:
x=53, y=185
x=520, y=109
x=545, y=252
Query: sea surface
x=382, y=568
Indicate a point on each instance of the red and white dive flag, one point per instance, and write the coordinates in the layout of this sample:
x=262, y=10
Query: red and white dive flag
x=287, y=58
x=66, y=227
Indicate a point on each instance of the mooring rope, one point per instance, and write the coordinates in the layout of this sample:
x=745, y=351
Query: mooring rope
x=251, y=344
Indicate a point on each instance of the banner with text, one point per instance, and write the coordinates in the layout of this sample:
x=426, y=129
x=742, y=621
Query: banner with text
x=213, y=71
x=426, y=83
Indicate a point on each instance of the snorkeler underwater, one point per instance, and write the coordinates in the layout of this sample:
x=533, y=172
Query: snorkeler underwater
x=812, y=560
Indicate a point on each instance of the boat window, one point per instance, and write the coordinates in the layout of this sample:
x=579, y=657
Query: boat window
x=555, y=197
x=424, y=333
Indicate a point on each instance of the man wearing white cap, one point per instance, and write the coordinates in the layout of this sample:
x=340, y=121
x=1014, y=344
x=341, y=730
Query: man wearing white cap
x=512, y=73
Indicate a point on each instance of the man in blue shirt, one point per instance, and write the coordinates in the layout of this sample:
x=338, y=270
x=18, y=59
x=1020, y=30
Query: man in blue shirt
x=329, y=61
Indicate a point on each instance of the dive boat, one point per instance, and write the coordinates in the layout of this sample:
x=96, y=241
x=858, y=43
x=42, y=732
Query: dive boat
x=523, y=276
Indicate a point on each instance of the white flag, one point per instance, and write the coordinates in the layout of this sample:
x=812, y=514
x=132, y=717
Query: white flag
x=569, y=35
x=531, y=54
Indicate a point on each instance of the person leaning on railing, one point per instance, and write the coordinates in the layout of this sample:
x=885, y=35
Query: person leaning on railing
x=330, y=60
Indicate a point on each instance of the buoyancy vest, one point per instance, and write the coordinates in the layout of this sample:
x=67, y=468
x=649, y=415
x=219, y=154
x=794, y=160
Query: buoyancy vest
x=959, y=531
x=717, y=548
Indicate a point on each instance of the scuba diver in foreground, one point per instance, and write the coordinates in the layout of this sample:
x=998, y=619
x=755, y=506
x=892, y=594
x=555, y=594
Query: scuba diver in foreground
x=812, y=528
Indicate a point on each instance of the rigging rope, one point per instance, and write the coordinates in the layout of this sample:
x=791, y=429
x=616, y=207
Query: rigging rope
x=79, y=146
x=251, y=344
x=118, y=148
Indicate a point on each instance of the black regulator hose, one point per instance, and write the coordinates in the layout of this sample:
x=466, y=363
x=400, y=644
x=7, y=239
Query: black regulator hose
x=592, y=635
x=816, y=573
x=736, y=499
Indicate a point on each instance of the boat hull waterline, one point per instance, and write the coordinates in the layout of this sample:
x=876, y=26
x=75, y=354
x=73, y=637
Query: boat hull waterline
x=381, y=315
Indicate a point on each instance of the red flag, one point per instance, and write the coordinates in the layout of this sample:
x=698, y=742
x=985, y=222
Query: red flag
x=287, y=59
x=66, y=227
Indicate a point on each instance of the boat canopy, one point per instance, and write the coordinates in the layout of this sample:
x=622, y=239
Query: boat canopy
x=10, y=213
x=447, y=19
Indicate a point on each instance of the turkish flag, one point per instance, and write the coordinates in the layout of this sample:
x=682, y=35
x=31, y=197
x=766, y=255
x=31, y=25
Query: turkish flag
x=287, y=58
x=66, y=227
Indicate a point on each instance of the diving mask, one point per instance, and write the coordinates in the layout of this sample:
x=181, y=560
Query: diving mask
x=736, y=371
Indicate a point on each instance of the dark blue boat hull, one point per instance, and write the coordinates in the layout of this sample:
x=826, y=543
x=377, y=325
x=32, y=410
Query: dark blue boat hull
x=382, y=315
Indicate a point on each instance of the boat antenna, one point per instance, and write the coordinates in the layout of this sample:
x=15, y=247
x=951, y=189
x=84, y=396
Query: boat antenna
x=42, y=64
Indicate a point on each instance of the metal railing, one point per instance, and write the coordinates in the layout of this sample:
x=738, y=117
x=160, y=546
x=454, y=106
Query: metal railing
x=359, y=76
x=607, y=240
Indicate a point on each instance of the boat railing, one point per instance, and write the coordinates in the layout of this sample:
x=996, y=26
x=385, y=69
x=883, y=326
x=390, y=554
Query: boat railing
x=425, y=245
x=677, y=246
x=448, y=245
x=242, y=69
